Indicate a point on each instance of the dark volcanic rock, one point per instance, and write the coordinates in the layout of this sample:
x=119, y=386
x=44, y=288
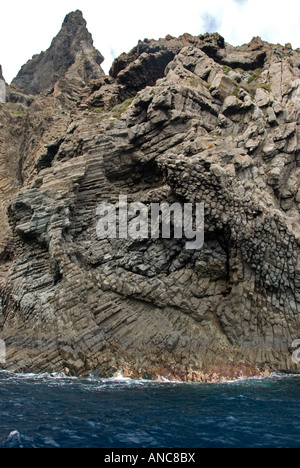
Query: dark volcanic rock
x=72, y=47
x=174, y=122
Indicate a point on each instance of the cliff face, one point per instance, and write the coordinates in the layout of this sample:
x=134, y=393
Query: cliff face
x=188, y=119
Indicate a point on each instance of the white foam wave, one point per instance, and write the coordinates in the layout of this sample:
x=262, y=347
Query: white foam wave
x=119, y=377
x=59, y=378
x=13, y=434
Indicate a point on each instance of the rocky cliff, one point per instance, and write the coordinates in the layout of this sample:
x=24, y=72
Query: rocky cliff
x=188, y=119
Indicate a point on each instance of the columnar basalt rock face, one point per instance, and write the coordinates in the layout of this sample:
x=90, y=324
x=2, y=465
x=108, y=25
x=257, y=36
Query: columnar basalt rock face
x=187, y=119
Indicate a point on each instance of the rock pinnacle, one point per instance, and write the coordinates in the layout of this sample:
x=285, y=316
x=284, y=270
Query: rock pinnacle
x=72, y=47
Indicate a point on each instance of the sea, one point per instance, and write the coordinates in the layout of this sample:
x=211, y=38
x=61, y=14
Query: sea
x=56, y=411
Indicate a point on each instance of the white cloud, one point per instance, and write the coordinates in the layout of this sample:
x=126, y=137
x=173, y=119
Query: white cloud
x=272, y=20
x=28, y=27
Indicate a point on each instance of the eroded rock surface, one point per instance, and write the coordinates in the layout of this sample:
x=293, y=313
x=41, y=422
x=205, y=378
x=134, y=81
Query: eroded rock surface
x=189, y=119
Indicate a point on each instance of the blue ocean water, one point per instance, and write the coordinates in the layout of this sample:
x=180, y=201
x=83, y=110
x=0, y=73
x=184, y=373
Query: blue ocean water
x=43, y=411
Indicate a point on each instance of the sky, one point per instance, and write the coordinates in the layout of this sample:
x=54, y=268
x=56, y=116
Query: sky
x=28, y=27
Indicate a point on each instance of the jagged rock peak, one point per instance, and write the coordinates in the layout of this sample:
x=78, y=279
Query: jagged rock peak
x=75, y=18
x=74, y=26
x=72, y=47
